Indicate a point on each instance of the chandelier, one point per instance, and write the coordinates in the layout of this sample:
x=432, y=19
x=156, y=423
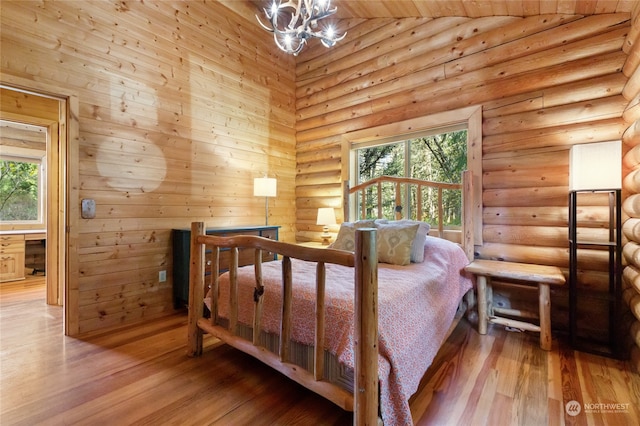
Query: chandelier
x=291, y=34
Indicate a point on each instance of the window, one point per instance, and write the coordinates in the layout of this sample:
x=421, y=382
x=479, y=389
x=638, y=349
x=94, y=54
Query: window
x=21, y=189
x=468, y=118
x=439, y=155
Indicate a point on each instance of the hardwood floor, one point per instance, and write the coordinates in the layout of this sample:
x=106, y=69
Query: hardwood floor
x=140, y=375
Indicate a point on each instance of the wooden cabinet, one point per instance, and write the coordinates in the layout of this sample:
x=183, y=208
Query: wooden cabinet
x=313, y=244
x=582, y=322
x=182, y=251
x=11, y=257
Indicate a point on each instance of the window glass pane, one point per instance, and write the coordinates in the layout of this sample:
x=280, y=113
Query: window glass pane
x=19, y=191
x=373, y=162
x=440, y=157
x=387, y=160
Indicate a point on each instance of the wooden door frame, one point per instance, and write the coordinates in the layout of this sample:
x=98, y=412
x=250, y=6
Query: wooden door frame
x=53, y=267
x=62, y=212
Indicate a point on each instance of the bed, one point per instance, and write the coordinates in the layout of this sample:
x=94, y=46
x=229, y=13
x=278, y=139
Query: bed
x=357, y=331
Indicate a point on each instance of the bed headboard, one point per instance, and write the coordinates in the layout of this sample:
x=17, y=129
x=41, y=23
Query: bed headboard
x=466, y=188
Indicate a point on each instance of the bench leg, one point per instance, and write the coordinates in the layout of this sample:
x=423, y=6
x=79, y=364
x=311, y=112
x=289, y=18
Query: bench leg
x=481, y=282
x=544, y=301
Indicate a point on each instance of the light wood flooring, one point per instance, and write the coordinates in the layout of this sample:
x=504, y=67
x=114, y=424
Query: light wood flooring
x=140, y=375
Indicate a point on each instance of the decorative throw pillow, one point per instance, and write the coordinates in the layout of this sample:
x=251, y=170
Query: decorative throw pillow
x=417, y=247
x=394, y=242
x=365, y=223
x=346, y=238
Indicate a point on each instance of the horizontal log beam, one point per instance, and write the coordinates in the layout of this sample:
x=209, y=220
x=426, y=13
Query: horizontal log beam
x=563, y=135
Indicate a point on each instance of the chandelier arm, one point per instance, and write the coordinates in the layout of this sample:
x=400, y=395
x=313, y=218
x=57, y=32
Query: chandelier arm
x=284, y=48
x=263, y=25
x=294, y=16
x=320, y=35
x=330, y=42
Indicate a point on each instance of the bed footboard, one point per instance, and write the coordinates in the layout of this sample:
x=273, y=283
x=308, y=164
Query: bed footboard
x=364, y=399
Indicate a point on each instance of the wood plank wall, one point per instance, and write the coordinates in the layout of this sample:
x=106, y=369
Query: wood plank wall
x=631, y=193
x=544, y=83
x=182, y=104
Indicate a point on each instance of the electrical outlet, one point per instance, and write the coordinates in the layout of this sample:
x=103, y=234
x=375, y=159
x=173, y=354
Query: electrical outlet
x=162, y=276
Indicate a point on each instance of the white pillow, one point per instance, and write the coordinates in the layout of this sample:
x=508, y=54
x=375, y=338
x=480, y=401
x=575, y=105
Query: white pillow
x=417, y=248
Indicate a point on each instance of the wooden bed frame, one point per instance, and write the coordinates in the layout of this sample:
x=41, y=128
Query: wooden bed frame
x=364, y=400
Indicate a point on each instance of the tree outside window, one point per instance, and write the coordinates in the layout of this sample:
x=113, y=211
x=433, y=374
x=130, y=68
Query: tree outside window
x=439, y=157
x=19, y=190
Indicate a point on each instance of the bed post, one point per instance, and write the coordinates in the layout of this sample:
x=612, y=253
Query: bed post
x=196, y=291
x=366, y=328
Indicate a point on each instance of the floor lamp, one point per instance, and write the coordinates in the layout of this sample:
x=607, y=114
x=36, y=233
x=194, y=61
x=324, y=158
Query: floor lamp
x=595, y=174
x=265, y=187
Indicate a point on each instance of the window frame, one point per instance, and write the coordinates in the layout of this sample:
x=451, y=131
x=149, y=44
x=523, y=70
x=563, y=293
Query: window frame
x=405, y=145
x=469, y=118
x=39, y=158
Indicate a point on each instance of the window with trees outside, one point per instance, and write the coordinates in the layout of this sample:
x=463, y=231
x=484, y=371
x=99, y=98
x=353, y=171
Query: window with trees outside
x=439, y=155
x=21, y=189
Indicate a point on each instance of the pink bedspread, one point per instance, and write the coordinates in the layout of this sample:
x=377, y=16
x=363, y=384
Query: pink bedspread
x=417, y=304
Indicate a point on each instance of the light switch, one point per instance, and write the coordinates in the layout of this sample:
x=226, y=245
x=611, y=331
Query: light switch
x=88, y=208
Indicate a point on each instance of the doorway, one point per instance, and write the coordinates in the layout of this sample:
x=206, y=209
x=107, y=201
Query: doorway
x=43, y=108
x=23, y=200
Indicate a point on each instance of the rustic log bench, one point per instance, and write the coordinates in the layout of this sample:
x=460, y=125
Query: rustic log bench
x=516, y=273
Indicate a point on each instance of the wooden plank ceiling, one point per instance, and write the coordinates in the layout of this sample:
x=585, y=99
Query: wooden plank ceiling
x=469, y=8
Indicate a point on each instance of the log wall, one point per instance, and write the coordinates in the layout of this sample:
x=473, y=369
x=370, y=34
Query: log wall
x=544, y=83
x=631, y=192
x=182, y=104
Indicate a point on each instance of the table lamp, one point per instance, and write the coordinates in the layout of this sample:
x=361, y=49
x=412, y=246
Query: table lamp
x=326, y=217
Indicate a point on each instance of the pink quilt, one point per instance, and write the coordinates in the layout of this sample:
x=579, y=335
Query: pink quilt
x=417, y=304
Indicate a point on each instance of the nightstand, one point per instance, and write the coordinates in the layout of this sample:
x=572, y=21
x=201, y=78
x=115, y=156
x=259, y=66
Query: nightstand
x=314, y=244
x=541, y=276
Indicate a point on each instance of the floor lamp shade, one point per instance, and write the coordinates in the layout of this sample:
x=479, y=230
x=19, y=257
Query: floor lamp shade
x=265, y=187
x=595, y=166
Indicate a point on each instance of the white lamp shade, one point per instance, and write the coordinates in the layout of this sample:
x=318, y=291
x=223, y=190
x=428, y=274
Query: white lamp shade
x=264, y=187
x=595, y=166
x=326, y=216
